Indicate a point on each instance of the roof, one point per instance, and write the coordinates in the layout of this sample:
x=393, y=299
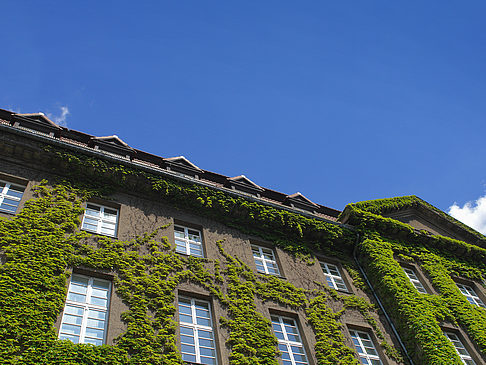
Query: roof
x=114, y=147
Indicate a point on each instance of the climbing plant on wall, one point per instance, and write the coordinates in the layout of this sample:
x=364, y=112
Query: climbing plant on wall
x=419, y=317
x=42, y=241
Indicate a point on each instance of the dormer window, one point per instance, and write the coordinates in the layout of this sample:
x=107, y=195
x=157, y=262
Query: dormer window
x=299, y=201
x=243, y=184
x=181, y=165
x=36, y=122
x=112, y=145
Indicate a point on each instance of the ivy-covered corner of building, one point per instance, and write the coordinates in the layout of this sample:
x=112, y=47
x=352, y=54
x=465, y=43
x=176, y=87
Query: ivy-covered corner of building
x=386, y=244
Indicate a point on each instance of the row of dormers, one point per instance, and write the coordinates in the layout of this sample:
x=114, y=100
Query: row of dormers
x=113, y=145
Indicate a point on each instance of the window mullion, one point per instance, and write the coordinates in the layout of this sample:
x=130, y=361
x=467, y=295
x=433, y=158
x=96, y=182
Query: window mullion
x=186, y=241
x=194, y=325
x=262, y=259
x=187, y=244
x=86, y=311
x=4, y=191
x=365, y=353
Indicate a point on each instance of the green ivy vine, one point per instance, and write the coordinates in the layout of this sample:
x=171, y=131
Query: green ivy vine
x=420, y=317
x=42, y=241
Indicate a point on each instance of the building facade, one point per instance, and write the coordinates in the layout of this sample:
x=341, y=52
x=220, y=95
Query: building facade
x=111, y=255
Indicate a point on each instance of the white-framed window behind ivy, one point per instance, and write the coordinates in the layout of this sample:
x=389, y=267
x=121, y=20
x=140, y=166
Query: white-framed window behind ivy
x=196, y=331
x=265, y=260
x=470, y=295
x=85, y=315
x=460, y=348
x=333, y=276
x=412, y=276
x=365, y=347
x=188, y=241
x=289, y=340
x=100, y=219
x=10, y=196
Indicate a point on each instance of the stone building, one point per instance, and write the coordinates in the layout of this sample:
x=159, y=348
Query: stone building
x=112, y=255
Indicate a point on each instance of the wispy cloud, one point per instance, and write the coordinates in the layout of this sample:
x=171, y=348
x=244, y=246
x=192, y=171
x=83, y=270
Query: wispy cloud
x=60, y=119
x=472, y=213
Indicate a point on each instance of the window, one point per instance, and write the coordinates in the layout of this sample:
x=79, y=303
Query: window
x=86, y=311
x=333, y=276
x=196, y=329
x=265, y=260
x=100, y=219
x=471, y=295
x=365, y=347
x=412, y=276
x=461, y=350
x=10, y=196
x=188, y=241
x=289, y=341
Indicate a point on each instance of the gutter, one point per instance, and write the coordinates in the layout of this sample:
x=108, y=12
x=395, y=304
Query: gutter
x=380, y=304
x=54, y=141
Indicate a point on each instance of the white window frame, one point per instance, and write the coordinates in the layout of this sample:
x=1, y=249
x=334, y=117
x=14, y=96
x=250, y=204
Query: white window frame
x=4, y=193
x=188, y=242
x=359, y=336
x=459, y=346
x=414, y=279
x=196, y=327
x=471, y=296
x=333, y=280
x=101, y=219
x=264, y=261
x=289, y=343
x=86, y=307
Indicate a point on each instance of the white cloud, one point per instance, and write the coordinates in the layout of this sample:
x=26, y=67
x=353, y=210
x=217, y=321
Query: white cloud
x=60, y=119
x=472, y=213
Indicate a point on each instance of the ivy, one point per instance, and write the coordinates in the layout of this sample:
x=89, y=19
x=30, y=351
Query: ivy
x=419, y=317
x=41, y=242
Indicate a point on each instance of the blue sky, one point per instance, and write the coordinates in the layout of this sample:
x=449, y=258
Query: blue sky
x=342, y=101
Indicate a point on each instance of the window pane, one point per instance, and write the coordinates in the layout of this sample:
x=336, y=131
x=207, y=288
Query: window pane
x=205, y=334
x=16, y=192
x=97, y=314
x=99, y=302
x=77, y=297
x=94, y=333
x=208, y=360
x=99, y=293
x=72, y=338
x=95, y=323
x=69, y=309
x=93, y=341
x=203, y=321
x=187, y=339
x=92, y=211
x=185, y=318
x=188, y=358
x=70, y=329
x=8, y=208
x=185, y=310
x=70, y=319
x=188, y=349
